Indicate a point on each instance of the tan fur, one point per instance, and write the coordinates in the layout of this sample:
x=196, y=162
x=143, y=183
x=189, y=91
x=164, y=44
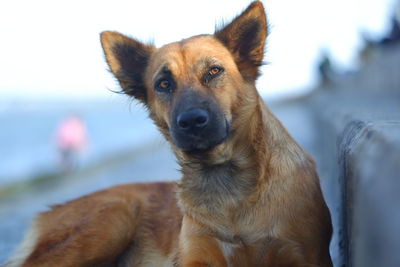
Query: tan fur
x=253, y=200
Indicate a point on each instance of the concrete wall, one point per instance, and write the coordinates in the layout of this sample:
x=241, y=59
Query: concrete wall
x=358, y=159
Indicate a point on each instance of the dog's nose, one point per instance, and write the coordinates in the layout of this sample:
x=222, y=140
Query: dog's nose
x=193, y=119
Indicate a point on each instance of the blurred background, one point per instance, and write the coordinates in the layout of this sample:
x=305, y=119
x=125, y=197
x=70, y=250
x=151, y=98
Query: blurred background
x=332, y=76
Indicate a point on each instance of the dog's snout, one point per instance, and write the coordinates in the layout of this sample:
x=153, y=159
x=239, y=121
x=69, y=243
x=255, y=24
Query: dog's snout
x=197, y=122
x=193, y=119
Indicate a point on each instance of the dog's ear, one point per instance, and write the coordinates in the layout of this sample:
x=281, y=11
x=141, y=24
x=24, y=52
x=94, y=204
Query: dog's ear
x=127, y=59
x=245, y=38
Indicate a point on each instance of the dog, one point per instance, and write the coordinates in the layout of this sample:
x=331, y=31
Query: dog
x=249, y=194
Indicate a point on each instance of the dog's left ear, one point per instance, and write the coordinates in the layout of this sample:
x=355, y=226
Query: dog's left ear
x=245, y=38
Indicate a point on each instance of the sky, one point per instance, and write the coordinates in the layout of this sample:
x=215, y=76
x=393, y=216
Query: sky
x=51, y=49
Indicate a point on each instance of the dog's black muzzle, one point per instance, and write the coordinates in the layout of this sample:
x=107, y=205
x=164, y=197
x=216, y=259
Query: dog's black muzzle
x=197, y=123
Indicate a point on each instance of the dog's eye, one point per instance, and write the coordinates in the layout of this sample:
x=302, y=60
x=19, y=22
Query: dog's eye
x=214, y=71
x=164, y=85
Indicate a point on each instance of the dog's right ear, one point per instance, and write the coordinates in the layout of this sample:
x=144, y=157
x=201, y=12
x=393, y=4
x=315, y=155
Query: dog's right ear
x=127, y=59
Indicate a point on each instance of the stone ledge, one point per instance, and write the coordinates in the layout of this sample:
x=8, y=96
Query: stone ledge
x=359, y=161
x=358, y=153
x=369, y=154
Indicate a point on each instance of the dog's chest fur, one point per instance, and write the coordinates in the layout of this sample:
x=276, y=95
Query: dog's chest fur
x=223, y=190
x=216, y=186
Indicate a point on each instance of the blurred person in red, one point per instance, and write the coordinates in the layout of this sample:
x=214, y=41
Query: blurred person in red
x=71, y=139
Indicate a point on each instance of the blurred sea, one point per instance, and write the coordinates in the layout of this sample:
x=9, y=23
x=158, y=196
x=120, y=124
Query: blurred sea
x=27, y=133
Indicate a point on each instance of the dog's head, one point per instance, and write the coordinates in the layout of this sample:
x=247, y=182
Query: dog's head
x=193, y=88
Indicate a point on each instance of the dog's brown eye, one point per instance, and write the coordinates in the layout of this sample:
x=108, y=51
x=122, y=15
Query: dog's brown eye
x=214, y=71
x=164, y=84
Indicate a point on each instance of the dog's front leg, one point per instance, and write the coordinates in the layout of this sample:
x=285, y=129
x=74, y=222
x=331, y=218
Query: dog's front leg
x=198, y=249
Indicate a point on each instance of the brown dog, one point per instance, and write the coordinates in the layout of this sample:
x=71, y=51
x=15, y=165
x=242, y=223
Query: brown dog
x=249, y=195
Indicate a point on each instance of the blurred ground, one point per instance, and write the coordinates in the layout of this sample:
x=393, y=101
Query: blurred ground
x=147, y=163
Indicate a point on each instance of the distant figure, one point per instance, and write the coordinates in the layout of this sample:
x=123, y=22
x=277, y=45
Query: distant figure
x=325, y=69
x=71, y=139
